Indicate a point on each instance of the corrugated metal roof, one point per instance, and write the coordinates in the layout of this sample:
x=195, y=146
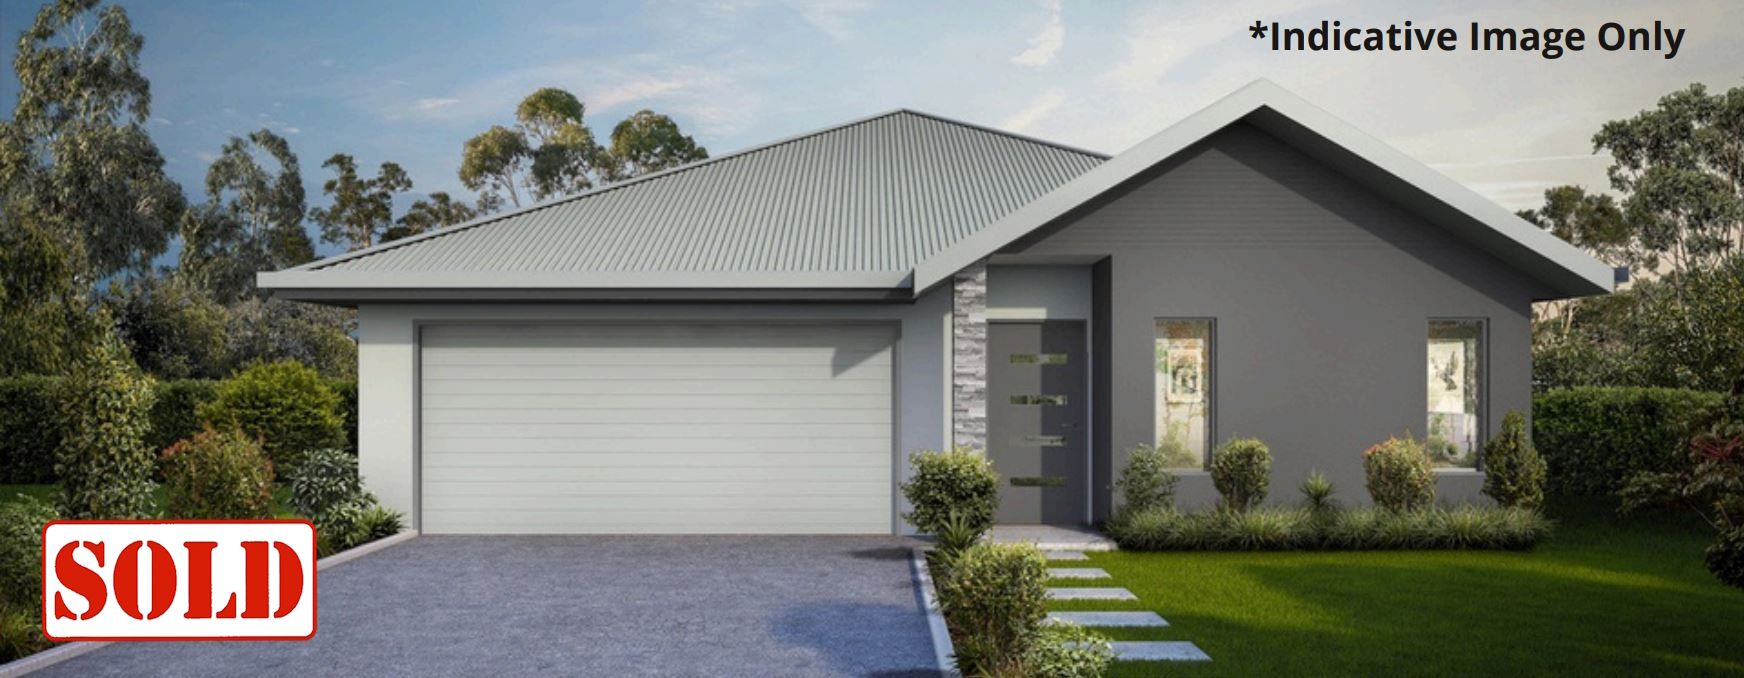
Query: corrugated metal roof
x=874, y=195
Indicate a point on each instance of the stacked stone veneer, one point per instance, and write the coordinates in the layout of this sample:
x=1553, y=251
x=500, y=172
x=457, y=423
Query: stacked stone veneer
x=969, y=356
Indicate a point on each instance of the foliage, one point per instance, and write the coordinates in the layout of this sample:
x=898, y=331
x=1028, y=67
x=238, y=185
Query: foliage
x=1725, y=558
x=994, y=601
x=1281, y=528
x=956, y=535
x=649, y=142
x=551, y=151
x=961, y=481
x=1067, y=651
x=1400, y=477
x=173, y=329
x=1712, y=485
x=252, y=219
x=347, y=390
x=1242, y=471
x=104, y=407
x=363, y=208
x=1513, y=470
x=20, y=633
x=1317, y=489
x=327, y=490
x=217, y=475
x=288, y=406
x=21, y=521
x=1146, y=481
x=272, y=330
x=1594, y=439
x=30, y=430
x=437, y=211
x=174, y=412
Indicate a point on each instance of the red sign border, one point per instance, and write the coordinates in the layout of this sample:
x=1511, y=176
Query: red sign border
x=314, y=581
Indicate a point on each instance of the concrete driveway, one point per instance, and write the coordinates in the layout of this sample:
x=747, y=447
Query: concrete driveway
x=587, y=606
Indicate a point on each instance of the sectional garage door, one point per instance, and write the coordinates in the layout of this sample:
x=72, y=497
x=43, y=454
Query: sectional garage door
x=635, y=428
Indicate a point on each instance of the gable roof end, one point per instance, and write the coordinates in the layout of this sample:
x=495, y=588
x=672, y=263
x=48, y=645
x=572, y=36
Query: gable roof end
x=1565, y=269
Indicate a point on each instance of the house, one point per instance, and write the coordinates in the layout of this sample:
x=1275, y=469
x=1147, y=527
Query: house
x=755, y=343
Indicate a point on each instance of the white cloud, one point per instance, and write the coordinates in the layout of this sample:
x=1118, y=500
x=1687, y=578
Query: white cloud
x=1035, y=112
x=830, y=16
x=635, y=90
x=1045, y=45
x=433, y=103
x=162, y=121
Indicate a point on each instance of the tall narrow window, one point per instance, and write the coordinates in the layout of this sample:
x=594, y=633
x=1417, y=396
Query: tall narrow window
x=1183, y=391
x=1456, y=392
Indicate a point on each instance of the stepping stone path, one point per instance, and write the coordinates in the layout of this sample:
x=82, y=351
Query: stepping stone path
x=1108, y=619
x=1158, y=651
x=1092, y=593
x=1124, y=650
x=1078, y=573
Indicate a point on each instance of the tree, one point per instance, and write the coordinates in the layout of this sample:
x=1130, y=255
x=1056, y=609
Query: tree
x=103, y=463
x=650, y=142
x=173, y=329
x=424, y=215
x=362, y=207
x=252, y=220
x=551, y=151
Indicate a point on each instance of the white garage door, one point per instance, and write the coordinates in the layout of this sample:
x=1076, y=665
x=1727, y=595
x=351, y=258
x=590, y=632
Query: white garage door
x=630, y=428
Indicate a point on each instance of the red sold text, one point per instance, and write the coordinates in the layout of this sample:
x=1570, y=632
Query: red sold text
x=180, y=580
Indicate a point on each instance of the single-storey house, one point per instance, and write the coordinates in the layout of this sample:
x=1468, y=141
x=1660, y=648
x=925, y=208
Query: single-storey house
x=757, y=342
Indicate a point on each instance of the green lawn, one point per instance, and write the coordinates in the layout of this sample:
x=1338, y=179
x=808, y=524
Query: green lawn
x=9, y=493
x=1606, y=596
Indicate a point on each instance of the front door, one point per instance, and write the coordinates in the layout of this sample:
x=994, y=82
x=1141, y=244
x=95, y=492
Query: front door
x=1036, y=428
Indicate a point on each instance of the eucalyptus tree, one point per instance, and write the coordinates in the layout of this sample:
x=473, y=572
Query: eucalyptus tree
x=252, y=219
x=649, y=142
x=363, y=207
x=434, y=212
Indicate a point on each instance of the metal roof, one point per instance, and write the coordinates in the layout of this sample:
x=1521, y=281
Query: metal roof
x=873, y=196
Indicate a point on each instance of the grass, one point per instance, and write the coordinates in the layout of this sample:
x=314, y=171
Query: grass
x=1604, y=596
x=9, y=493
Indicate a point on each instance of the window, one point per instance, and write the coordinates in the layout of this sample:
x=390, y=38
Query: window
x=1183, y=390
x=1456, y=392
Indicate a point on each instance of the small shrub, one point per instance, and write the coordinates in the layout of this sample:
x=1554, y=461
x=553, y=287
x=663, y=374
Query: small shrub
x=20, y=633
x=1272, y=530
x=1146, y=482
x=175, y=413
x=1067, y=651
x=994, y=601
x=1725, y=558
x=1318, y=491
x=957, y=535
x=1242, y=471
x=289, y=407
x=1593, y=440
x=1399, y=475
x=326, y=490
x=961, y=480
x=103, y=463
x=1513, y=471
x=217, y=475
x=1278, y=528
x=21, y=521
x=346, y=389
x=29, y=430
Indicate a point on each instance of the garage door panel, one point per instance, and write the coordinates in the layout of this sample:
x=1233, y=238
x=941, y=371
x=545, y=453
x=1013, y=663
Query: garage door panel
x=627, y=428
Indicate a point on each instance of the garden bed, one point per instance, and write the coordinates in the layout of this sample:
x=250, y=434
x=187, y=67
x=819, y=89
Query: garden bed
x=1359, y=529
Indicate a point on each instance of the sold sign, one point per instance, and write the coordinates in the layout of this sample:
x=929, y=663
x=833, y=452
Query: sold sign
x=178, y=580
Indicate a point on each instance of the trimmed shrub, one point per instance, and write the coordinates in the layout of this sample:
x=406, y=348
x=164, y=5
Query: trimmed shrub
x=961, y=481
x=1594, y=439
x=1725, y=558
x=103, y=463
x=1146, y=481
x=1317, y=489
x=174, y=416
x=1242, y=471
x=1068, y=651
x=29, y=430
x=21, y=521
x=288, y=406
x=1278, y=528
x=217, y=475
x=1513, y=471
x=994, y=602
x=326, y=490
x=1400, y=477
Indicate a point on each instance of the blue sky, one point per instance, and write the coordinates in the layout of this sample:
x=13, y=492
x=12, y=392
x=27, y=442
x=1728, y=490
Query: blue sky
x=410, y=81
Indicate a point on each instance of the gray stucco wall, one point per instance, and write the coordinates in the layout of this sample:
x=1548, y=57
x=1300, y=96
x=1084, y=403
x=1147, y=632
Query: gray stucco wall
x=1321, y=293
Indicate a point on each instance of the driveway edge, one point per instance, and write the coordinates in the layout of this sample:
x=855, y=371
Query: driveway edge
x=55, y=655
x=943, y=652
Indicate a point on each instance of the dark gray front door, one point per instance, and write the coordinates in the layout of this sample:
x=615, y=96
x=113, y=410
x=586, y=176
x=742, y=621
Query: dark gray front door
x=1035, y=421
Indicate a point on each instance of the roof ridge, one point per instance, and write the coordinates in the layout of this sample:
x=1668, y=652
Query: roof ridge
x=1005, y=133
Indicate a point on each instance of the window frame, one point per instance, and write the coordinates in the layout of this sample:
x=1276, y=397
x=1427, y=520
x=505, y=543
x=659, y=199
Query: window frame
x=1483, y=383
x=1210, y=385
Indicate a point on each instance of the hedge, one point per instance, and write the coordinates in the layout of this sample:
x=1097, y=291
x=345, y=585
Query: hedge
x=29, y=433
x=1593, y=439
